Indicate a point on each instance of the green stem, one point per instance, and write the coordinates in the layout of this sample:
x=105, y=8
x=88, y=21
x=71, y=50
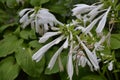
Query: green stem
x=116, y=76
x=102, y=75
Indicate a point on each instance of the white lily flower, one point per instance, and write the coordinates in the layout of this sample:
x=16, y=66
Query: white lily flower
x=94, y=12
x=98, y=45
x=80, y=9
x=42, y=20
x=70, y=66
x=66, y=44
x=91, y=25
x=55, y=56
x=110, y=66
x=102, y=22
x=39, y=54
x=82, y=60
x=47, y=35
x=22, y=12
x=91, y=56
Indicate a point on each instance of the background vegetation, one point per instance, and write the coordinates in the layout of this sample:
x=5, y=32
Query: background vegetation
x=17, y=45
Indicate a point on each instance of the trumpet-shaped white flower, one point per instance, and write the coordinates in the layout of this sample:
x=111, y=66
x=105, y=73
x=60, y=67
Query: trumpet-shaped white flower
x=91, y=25
x=88, y=13
x=81, y=9
x=82, y=59
x=39, y=54
x=55, y=56
x=102, y=22
x=92, y=56
x=70, y=66
x=41, y=19
x=98, y=45
x=70, y=63
x=47, y=35
x=94, y=12
x=110, y=66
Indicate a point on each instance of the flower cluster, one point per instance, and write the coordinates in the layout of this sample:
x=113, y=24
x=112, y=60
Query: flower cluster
x=92, y=13
x=74, y=42
x=40, y=18
x=75, y=37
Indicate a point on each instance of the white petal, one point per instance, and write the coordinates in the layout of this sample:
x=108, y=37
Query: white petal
x=110, y=66
x=70, y=66
x=65, y=45
x=47, y=35
x=102, y=22
x=48, y=17
x=94, y=12
x=24, y=18
x=54, y=58
x=81, y=8
x=83, y=61
x=37, y=26
x=26, y=23
x=22, y=12
x=46, y=27
x=39, y=54
x=91, y=25
x=91, y=56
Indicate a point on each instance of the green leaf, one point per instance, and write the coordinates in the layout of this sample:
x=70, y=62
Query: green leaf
x=9, y=69
x=24, y=59
x=3, y=16
x=92, y=77
x=38, y=2
x=9, y=44
x=26, y=34
x=11, y=3
x=2, y=28
x=35, y=44
x=115, y=41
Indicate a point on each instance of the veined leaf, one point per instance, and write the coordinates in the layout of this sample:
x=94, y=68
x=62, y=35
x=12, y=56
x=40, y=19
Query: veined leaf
x=9, y=69
x=24, y=59
x=9, y=44
x=115, y=41
x=26, y=34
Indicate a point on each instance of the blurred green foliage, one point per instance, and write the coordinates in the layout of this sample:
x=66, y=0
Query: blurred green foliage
x=17, y=45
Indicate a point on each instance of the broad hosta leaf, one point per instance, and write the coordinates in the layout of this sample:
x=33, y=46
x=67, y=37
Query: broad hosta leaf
x=9, y=69
x=9, y=44
x=38, y=2
x=24, y=59
x=115, y=41
x=35, y=44
x=26, y=34
x=92, y=77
